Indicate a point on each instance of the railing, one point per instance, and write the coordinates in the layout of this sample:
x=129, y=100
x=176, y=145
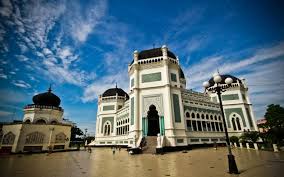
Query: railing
x=43, y=107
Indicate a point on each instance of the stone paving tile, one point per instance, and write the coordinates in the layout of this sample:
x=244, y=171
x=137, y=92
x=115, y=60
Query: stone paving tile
x=101, y=163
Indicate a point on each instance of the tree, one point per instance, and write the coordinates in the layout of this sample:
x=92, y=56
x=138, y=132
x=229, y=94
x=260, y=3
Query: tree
x=274, y=116
x=275, y=123
x=234, y=139
x=75, y=131
x=251, y=136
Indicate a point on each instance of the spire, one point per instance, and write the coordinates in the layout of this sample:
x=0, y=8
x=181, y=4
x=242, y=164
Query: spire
x=49, y=89
x=116, y=85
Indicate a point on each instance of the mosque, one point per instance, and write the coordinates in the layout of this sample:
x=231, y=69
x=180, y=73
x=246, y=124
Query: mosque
x=43, y=127
x=160, y=110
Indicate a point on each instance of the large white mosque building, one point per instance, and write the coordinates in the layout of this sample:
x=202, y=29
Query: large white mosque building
x=158, y=104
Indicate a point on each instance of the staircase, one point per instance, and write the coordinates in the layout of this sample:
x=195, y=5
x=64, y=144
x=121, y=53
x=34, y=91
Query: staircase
x=151, y=145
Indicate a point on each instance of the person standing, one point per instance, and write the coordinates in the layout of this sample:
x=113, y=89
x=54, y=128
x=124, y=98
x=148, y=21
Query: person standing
x=113, y=151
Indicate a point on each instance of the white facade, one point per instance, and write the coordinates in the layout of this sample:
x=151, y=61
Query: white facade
x=159, y=104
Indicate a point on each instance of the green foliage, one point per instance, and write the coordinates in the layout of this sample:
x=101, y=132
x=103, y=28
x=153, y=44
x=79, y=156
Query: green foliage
x=251, y=136
x=234, y=139
x=275, y=123
x=75, y=131
x=90, y=139
x=274, y=116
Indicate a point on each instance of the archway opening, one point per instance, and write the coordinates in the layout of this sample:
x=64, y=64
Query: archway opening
x=28, y=121
x=41, y=121
x=153, y=121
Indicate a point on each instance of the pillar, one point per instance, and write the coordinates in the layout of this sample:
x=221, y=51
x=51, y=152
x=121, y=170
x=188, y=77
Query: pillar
x=247, y=144
x=255, y=146
x=275, y=148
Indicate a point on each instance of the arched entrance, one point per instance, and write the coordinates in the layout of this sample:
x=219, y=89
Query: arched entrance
x=153, y=121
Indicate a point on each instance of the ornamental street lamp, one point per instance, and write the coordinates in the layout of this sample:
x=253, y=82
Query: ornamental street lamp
x=218, y=88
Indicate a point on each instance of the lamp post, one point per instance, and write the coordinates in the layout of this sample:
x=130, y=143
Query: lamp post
x=217, y=88
x=86, y=143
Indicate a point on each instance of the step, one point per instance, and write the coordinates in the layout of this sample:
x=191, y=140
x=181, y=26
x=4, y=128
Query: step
x=151, y=145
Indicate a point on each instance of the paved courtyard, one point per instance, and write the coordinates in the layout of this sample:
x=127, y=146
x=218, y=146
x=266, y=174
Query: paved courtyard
x=102, y=163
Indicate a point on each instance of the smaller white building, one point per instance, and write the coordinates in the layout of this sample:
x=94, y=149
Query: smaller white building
x=42, y=128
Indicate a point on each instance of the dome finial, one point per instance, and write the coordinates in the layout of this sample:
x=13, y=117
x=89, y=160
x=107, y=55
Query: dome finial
x=115, y=84
x=49, y=89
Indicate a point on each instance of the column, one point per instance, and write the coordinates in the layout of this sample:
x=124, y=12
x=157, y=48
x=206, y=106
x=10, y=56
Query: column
x=168, y=89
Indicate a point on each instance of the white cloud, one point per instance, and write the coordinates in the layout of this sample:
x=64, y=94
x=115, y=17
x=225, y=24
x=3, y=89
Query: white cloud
x=6, y=9
x=83, y=24
x=5, y=113
x=263, y=72
x=35, y=22
x=203, y=70
x=92, y=91
x=3, y=76
x=23, y=47
x=21, y=83
x=22, y=58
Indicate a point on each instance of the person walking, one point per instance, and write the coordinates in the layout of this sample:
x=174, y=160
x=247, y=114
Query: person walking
x=113, y=151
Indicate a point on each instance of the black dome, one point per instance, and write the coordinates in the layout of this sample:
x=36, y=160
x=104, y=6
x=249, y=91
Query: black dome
x=47, y=99
x=113, y=91
x=156, y=52
x=181, y=74
x=235, y=79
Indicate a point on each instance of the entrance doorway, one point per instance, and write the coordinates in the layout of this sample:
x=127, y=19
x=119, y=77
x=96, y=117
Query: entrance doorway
x=153, y=121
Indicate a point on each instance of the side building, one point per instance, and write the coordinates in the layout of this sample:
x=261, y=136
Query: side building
x=42, y=129
x=159, y=105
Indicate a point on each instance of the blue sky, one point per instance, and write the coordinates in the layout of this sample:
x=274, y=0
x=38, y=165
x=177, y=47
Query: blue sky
x=83, y=48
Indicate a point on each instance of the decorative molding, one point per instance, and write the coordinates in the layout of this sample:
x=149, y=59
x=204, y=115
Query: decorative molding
x=149, y=100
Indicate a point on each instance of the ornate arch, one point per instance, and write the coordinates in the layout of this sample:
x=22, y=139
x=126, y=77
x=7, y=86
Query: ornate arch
x=41, y=120
x=60, y=138
x=107, y=128
x=27, y=120
x=152, y=100
x=236, y=121
x=34, y=138
x=9, y=138
x=54, y=121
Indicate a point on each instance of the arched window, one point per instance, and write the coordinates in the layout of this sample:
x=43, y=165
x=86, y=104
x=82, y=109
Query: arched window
x=187, y=114
x=234, y=124
x=28, y=121
x=9, y=138
x=60, y=138
x=197, y=116
x=107, y=129
x=202, y=116
x=207, y=117
x=53, y=122
x=34, y=138
x=211, y=117
x=219, y=117
x=215, y=117
x=192, y=115
x=238, y=123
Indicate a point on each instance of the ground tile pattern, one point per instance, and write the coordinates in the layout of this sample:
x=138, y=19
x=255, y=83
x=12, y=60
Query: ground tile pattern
x=102, y=163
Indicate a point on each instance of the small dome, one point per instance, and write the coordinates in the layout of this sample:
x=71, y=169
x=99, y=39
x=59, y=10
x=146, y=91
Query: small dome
x=114, y=91
x=181, y=74
x=156, y=52
x=224, y=77
x=47, y=99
